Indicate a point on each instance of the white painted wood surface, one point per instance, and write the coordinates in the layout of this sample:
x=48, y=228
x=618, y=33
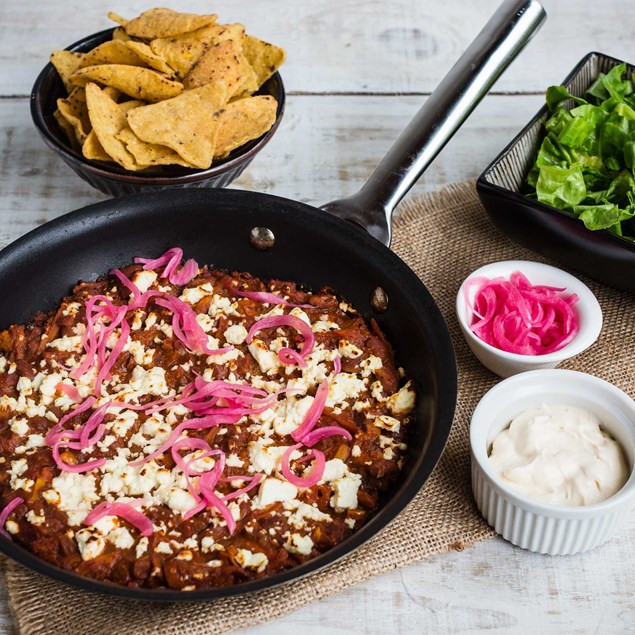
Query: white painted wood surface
x=357, y=71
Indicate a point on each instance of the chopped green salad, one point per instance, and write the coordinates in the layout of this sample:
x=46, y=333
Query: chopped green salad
x=586, y=163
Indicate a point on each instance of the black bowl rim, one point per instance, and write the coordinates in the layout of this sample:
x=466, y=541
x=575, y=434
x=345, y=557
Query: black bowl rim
x=98, y=169
x=483, y=185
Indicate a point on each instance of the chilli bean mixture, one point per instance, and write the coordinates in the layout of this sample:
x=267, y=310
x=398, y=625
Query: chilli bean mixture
x=176, y=426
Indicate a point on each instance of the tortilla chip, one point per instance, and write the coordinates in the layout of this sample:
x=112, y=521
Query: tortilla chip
x=111, y=52
x=151, y=59
x=75, y=111
x=120, y=34
x=66, y=63
x=182, y=52
x=135, y=81
x=127, y=106
x=66, y=127
x=115, y=17
x=187, y=123
x=157, y=23
x=113, y=93
x=149, y=154
x=93, y=150
x=223, y=63
x=243, y=120
x=265, y=58
x=109, y=118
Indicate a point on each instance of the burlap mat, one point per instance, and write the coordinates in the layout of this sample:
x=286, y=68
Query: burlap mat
x=443, y=237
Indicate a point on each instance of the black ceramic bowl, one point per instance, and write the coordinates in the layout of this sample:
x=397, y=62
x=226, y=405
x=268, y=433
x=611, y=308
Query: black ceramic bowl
x=551, y=232
x=116, y=181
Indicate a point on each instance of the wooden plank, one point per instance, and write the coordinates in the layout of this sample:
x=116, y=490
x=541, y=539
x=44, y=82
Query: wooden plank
x=326, y=147
x=348, y=46
x=493, y=586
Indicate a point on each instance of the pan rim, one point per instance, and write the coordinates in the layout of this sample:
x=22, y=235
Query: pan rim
x=403, y=493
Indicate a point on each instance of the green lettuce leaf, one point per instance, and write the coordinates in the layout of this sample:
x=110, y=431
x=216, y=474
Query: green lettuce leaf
x=586, y=161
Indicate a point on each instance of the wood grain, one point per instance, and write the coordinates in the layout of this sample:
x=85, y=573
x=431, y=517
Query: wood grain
x=357, y=71
x=347, y=46
x=326, y=147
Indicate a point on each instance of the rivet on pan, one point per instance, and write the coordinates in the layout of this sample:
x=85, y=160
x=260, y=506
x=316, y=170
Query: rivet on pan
x=379, y=300
x=261, y=238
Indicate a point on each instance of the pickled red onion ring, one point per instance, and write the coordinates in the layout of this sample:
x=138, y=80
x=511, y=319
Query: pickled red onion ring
x=268, y=298
x=299, y=325
x=122, y=510
x=170, y=261
x=4, y=514
x=93, y=423
x=303, y=481
x=322, y=433
x=313, y=414
x=289, y=356
x=57, y=431
x=186, y=327
x=188, y=272
x=200, y=423
x=207, y=483
x=253, y=482
x=518, y=317
x=69, y=391
x=80, y=467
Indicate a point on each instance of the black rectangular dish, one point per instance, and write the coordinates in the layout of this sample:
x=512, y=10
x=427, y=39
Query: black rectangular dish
x=551, y=232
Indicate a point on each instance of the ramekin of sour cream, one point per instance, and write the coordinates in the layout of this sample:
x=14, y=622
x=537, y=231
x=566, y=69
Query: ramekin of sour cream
x=553, y=455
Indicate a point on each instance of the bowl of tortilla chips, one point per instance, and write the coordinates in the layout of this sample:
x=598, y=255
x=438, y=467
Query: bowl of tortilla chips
x=166, y=99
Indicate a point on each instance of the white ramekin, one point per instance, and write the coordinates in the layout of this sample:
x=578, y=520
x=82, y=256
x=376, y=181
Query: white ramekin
x=506, y=364
x=530, y=524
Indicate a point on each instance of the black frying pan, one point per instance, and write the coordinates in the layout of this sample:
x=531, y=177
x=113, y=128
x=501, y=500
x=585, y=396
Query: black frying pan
x=318, y=249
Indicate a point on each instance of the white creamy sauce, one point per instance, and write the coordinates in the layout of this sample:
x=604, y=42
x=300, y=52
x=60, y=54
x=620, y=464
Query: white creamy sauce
x=559, y=454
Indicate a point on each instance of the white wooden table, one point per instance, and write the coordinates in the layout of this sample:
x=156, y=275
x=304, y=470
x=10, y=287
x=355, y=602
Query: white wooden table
x=357, y=70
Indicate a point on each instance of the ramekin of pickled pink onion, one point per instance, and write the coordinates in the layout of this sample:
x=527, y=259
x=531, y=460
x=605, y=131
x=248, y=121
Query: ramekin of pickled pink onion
x=518, y=315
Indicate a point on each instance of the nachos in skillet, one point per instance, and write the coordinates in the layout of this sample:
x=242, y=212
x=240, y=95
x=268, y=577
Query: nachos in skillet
x=176, y=426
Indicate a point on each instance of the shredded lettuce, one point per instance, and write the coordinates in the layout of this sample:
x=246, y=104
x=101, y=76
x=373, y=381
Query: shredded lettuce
x=586, y=162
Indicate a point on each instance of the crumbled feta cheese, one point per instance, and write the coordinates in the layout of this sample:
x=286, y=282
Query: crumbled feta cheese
x=123, y=422
x=323, y=326
x=121, y=538
x=249, y=560
x=388, y=423
x=150, y=381
x=90, y=543
x=34, y=518
x=19, y=426
x=264, y=457
x=334, y=469
x=348, y=349
x=142, y=546
x=144, y=279
x=141, y=355
x=403, y=401
x=233, y=460
x=220, y=305
x=267, y=360
x=370, y=365
x=163, y=547
x=299, y=544
x=76, y=493
x=273, y=490
x=345, y=491
x=344, y=386
x=67, y=344
x=302, y=512
x=235, y=334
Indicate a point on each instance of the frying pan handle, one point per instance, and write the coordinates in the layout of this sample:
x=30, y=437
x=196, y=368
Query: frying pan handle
x=502, y=38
